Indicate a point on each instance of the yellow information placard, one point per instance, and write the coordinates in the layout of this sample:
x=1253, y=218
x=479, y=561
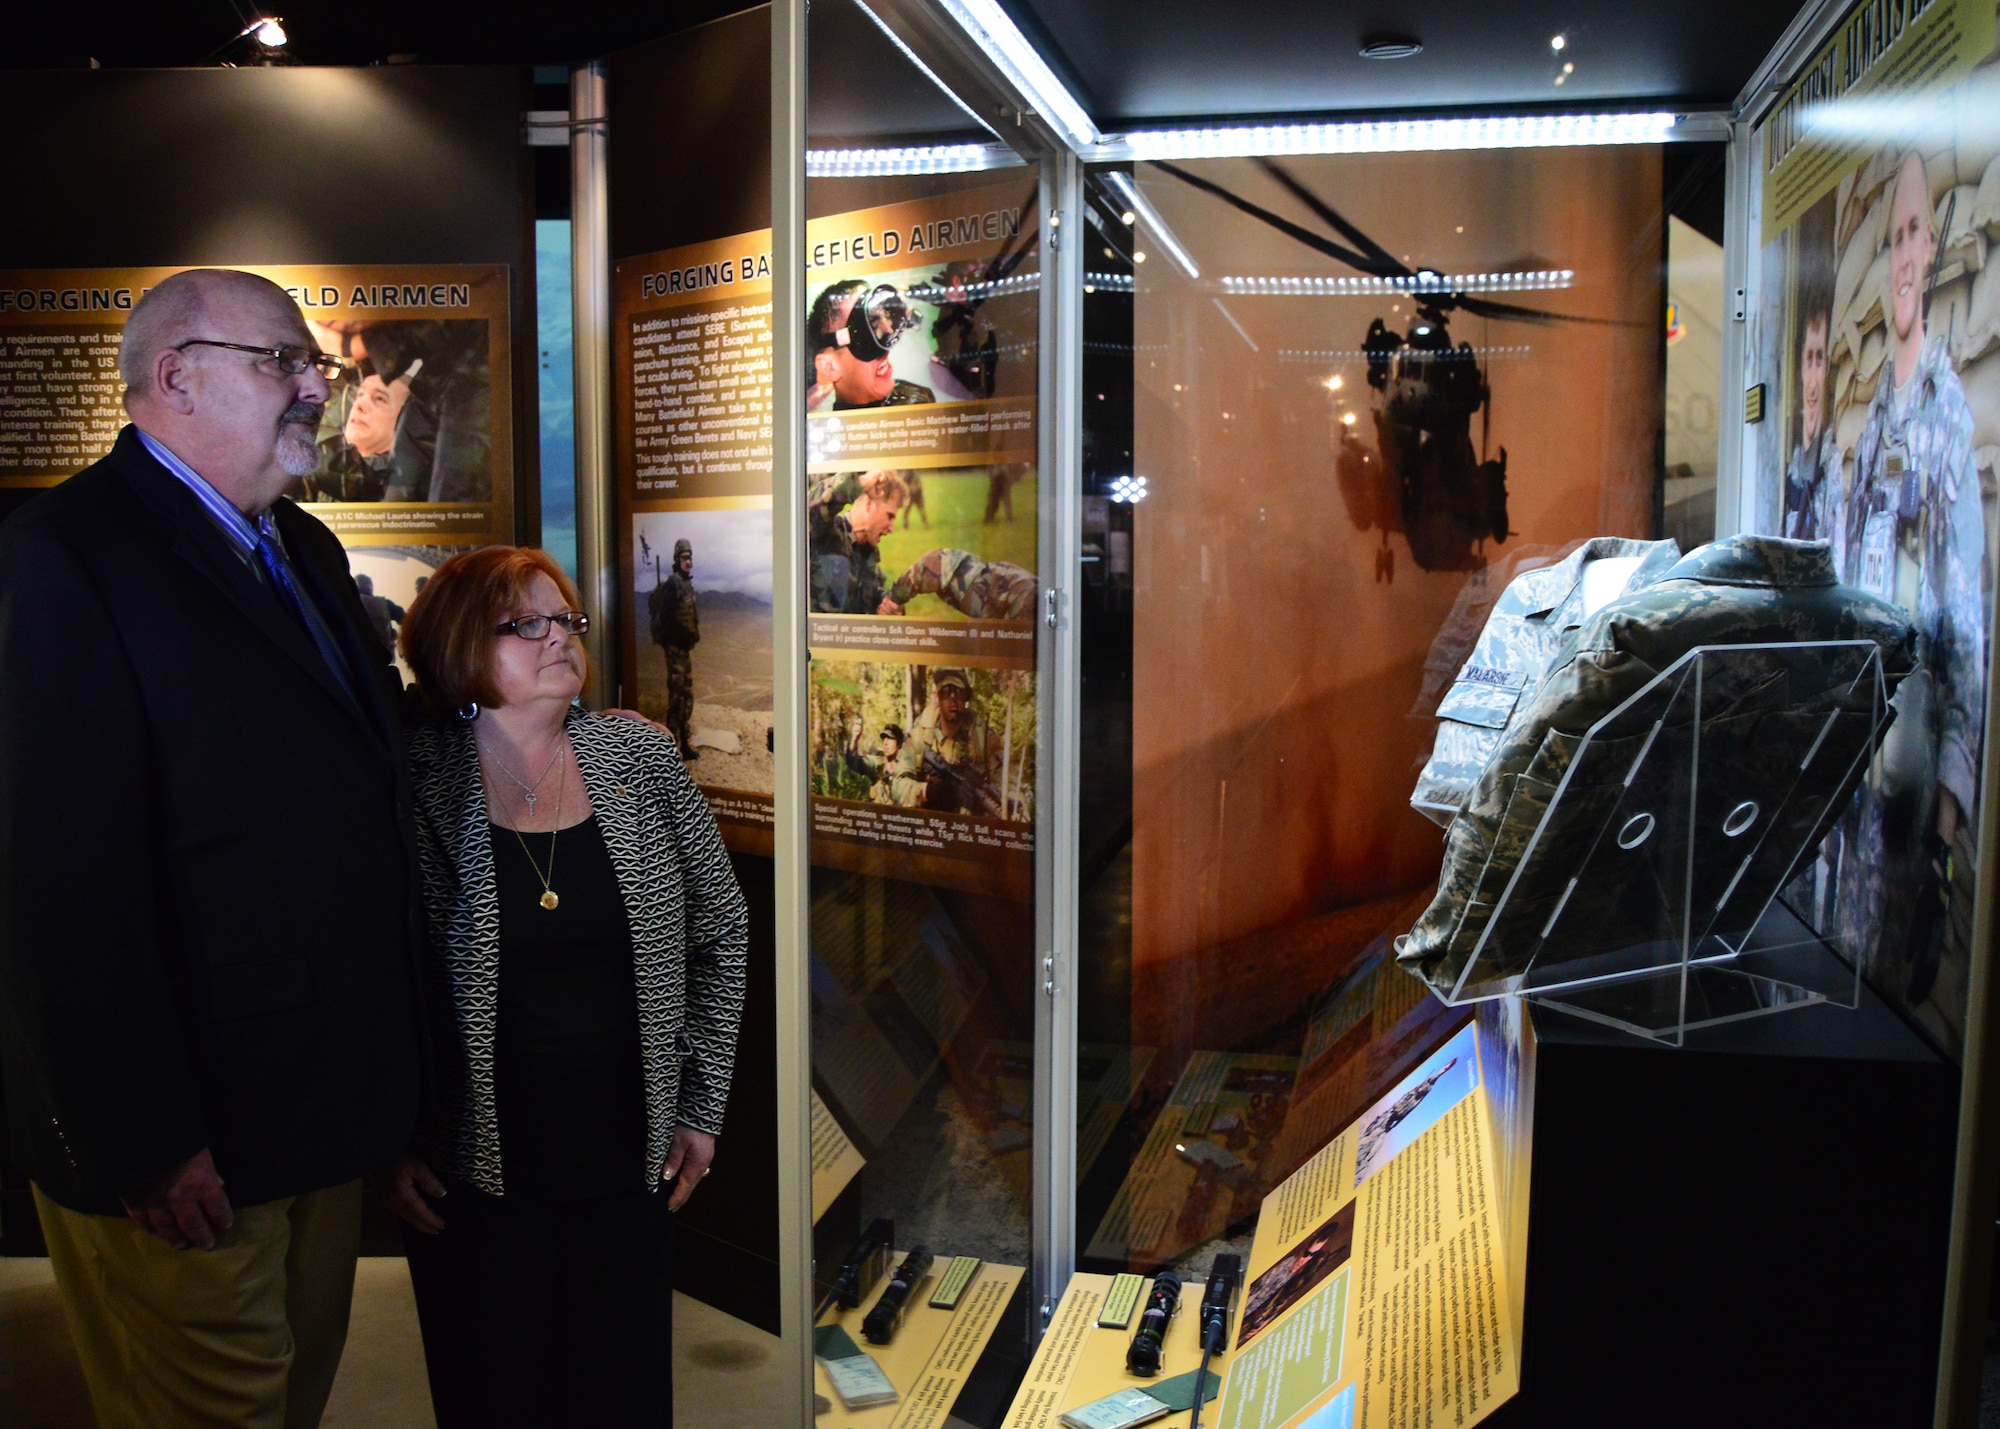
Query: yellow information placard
x=933, y=1351
x=1383, y=1283
x=836, y=1160
x=1078, y=1362
x=1380, y=1286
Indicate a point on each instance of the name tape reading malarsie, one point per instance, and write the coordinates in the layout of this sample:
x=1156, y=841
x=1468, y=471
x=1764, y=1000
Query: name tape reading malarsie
x=323, y=295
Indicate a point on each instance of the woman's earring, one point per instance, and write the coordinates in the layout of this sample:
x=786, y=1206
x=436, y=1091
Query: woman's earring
x=469, y=711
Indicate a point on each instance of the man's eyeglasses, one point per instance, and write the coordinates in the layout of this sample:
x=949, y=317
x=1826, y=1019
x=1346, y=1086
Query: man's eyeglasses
x=535, y=627
x=292, y=361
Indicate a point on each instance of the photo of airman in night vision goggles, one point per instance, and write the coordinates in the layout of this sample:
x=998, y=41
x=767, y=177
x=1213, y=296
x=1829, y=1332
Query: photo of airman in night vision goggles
x=854, y=325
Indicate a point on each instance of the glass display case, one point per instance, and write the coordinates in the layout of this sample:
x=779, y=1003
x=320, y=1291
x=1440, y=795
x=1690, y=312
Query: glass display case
x=1088, y=574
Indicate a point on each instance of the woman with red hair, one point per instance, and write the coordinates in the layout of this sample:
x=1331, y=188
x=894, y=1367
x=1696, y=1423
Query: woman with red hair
x=587, y=957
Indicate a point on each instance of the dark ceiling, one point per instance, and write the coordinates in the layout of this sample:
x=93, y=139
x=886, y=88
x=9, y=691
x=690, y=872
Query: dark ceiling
x=1136, y=63
x=1132, y=62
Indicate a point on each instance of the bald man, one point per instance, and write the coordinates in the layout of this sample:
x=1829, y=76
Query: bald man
x=1916, y=536
x=208, y=1039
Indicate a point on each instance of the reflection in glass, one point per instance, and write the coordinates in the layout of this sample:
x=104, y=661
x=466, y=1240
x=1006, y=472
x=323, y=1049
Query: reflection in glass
x=1333, y=406
x=921, y=512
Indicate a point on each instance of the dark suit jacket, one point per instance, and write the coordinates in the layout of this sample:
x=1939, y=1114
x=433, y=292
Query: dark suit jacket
x=209, y=915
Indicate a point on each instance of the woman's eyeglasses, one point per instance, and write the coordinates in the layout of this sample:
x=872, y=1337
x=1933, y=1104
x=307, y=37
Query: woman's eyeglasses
x=536, y=627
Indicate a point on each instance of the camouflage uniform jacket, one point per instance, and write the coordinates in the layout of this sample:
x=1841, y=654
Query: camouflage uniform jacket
x=846, y=576
x=675, y=615
x=970, y=751
x=1816, y=498
x=1538, y=608
x=979, y=590
x=1742, y=591
x=1916, y=535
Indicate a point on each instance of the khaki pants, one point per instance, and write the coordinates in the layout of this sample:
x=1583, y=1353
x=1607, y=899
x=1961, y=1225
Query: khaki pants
x=245, y=1336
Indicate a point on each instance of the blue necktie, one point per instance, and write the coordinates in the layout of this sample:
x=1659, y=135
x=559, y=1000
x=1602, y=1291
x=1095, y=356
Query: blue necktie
x=279, y=569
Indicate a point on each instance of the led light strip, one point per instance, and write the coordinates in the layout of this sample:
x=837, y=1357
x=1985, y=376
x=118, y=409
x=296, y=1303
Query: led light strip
x=1318, y=355
x=935, y=159
x=1511, y=131
x=1109, y=282
x=1366, y=285
x=985, y=288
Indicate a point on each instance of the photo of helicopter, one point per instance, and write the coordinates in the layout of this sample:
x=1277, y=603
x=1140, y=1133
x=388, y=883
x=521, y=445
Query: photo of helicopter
x=1423, y=478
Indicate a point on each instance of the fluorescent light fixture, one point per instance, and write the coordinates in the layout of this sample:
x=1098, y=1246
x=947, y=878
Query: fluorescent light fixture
x=934, y=159
x=1289, y=286
x=1509, y=131
x=988, y=27
x=1122, y=185
x=1129, y=490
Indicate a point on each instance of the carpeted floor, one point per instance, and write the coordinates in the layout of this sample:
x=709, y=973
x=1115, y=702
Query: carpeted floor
x=725, y=1372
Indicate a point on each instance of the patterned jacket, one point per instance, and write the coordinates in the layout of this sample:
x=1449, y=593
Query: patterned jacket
x=1761, y=726
x=690, y=934
x=1538, y=608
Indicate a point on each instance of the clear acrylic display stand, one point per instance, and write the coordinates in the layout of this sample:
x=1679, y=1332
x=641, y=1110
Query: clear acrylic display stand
x=1679, y=818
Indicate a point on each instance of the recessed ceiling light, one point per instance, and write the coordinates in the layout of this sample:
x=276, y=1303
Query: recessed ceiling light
x=1559, y=43
x=1390, y=47
x=1569, y=68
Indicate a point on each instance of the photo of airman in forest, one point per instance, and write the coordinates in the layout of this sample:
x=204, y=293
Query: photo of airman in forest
x=941, y=738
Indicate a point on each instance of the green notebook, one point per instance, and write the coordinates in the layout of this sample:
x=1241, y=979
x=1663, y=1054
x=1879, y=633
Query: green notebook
x=1177, y=1393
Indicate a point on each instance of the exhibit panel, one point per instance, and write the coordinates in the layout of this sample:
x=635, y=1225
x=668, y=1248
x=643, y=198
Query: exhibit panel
x=682, y=553
x=427, y=442
x=1318, y=450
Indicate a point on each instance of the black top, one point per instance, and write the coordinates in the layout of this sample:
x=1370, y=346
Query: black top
x=571, y=1083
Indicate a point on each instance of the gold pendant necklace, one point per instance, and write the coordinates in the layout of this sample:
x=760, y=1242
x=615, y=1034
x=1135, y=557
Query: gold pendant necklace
x=548, y=900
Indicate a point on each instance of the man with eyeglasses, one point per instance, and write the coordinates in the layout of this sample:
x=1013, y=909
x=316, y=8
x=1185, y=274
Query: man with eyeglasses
x=207, y=1038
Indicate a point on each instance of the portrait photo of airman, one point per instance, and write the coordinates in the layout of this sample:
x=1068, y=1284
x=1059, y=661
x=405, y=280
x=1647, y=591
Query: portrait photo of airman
x=941, y=738
x=854, y=327
x=410, y=418
x=1884, y=470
